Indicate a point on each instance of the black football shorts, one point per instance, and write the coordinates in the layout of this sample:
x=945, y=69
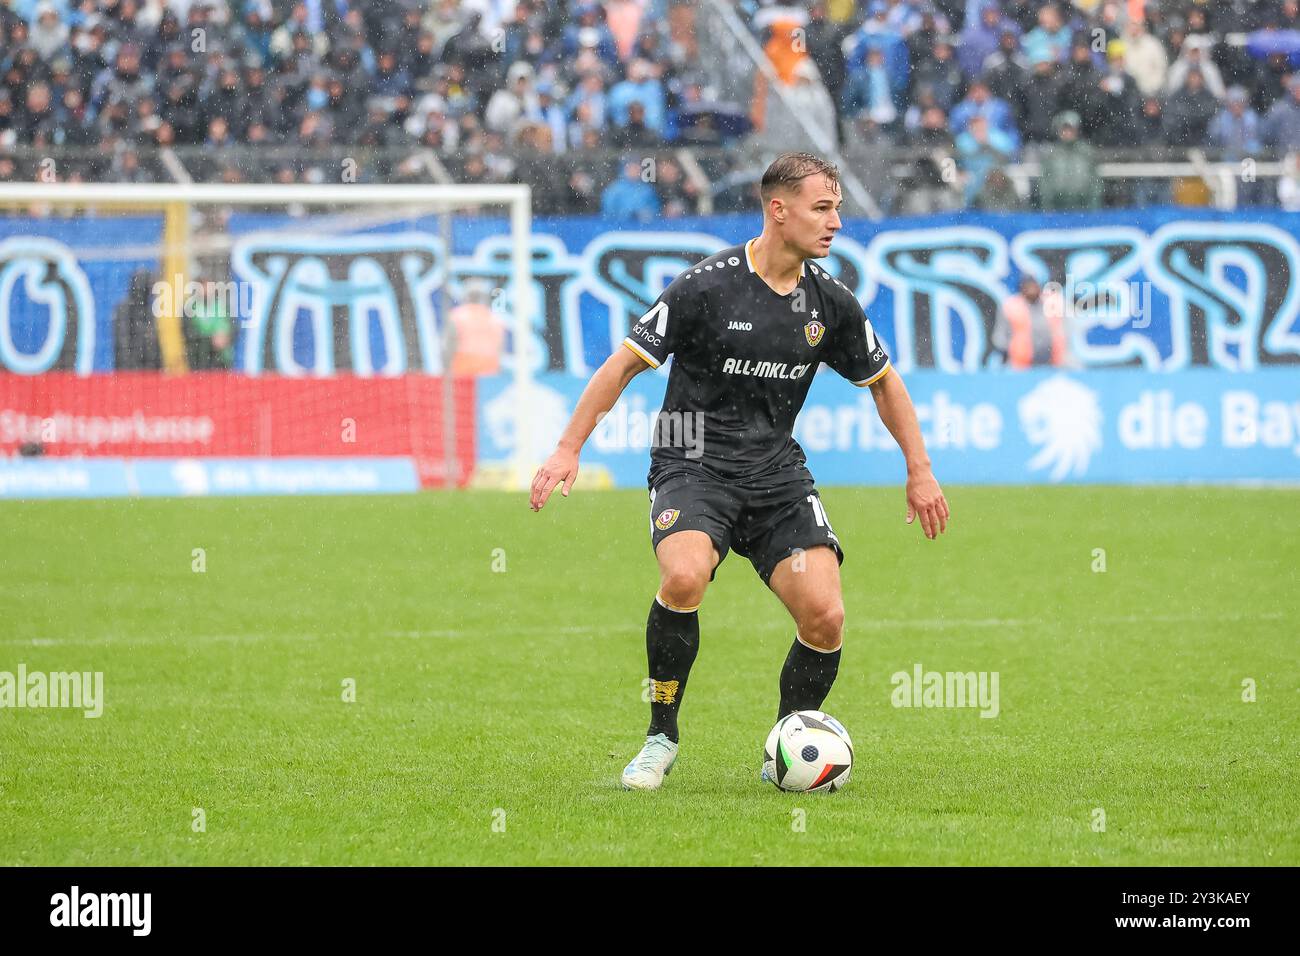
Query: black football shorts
x=765, y=520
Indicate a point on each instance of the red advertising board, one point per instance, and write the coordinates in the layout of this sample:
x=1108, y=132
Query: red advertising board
x=148, y=414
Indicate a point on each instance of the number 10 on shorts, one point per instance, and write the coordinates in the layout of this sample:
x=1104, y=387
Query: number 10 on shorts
x=819, y=514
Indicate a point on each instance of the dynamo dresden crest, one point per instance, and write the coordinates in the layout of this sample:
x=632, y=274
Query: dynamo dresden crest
x=667, y=518
x=813, y=332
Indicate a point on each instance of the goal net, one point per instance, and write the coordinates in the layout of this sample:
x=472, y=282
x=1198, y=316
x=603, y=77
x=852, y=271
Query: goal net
x=202, y=328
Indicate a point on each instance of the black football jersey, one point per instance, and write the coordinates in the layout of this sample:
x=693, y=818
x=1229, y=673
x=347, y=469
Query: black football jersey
x=744, y=357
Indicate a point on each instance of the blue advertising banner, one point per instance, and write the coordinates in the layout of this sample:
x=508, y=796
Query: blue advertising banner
x=197, y=477
x=61, y=278
x=1029, y=427
x=1160, y=289
x=201, y=477
x=63, y=478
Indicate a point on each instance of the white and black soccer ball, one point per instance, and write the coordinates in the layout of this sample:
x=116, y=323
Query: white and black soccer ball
x=808, y=751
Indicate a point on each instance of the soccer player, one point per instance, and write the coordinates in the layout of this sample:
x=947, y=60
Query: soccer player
x=747, y=329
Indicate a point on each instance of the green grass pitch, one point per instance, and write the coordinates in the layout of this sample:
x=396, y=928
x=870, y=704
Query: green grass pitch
x=495, y=708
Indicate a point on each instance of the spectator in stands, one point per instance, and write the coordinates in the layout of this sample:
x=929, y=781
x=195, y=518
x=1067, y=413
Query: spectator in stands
x=549, y=98
x=1235, y=129
x=421, y=61
x=515, y=102
x=475, y=170
x=920, y=42
x=982, y=37
x=1145, y=58
x=122, y=81
x=1288, y=18
x=1150, y=127
x=49, y=35
x=784, y=52
x=1070, y=179
x=38, y=122
x=982, y=147
x=910, y=16
x=7, y=133
x=930, y=187
x=980, y=102
x=922, y=102
x=642, y=85
x=635, y=134
x=582, y=125
x=630, y=198
x=1080, y=84
x=678, y=196
x=588, y=104
x=869, y=92
x=998, y=194
x=1117, y=103
x=219, y=137
x=875, y=32
x=931, y=132
x=135, y=333
x=1030, y=328
x=390, y=78
x=590, y=32
x=824, y=38
x=478, y=333
x=1050, y=39
x=1189, y=111
x=584, y=193
x=85, y=72
x=75, y=119
x=451, y=84
x=1006, y=72
x=1195, y=58
x=941, y=74
x=1282, y=125
x=1023, y=13
x=208, y=330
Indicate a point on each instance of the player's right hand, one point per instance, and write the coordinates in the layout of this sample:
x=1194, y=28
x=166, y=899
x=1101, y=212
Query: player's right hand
x=562, y=466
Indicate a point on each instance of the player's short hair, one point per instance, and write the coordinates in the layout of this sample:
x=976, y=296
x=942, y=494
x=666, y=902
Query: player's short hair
x=789, y=169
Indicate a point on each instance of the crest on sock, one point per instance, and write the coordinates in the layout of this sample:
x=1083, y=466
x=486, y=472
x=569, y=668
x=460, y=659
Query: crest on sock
x=665, y=691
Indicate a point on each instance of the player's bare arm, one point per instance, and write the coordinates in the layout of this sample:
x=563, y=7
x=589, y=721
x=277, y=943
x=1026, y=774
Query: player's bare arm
x=597, y=398
x=925, y=498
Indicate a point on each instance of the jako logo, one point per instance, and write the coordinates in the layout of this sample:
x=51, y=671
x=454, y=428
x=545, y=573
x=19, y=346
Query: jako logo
x=1064, y=418
x=740, y=326
x=103, y=909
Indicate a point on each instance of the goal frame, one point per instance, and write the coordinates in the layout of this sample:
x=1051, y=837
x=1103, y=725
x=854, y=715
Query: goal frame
x=174, y=201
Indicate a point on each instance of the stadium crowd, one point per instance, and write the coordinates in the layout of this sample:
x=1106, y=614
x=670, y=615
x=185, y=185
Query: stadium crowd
x=992, y=81
x=572, y=96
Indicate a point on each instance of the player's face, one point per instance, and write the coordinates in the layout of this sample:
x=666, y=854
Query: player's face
x=813, y=216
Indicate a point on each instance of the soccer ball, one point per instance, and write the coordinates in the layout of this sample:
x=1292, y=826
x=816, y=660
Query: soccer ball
x=807, y=752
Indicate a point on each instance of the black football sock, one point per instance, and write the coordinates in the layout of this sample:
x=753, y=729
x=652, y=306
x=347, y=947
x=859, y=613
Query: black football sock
x=807, y=677
x=672, y=639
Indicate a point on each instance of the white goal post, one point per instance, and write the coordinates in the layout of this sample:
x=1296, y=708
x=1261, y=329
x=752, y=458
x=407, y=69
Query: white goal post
x=175, y=203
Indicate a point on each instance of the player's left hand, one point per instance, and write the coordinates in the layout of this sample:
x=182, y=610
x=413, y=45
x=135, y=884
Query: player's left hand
x=925, y=500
